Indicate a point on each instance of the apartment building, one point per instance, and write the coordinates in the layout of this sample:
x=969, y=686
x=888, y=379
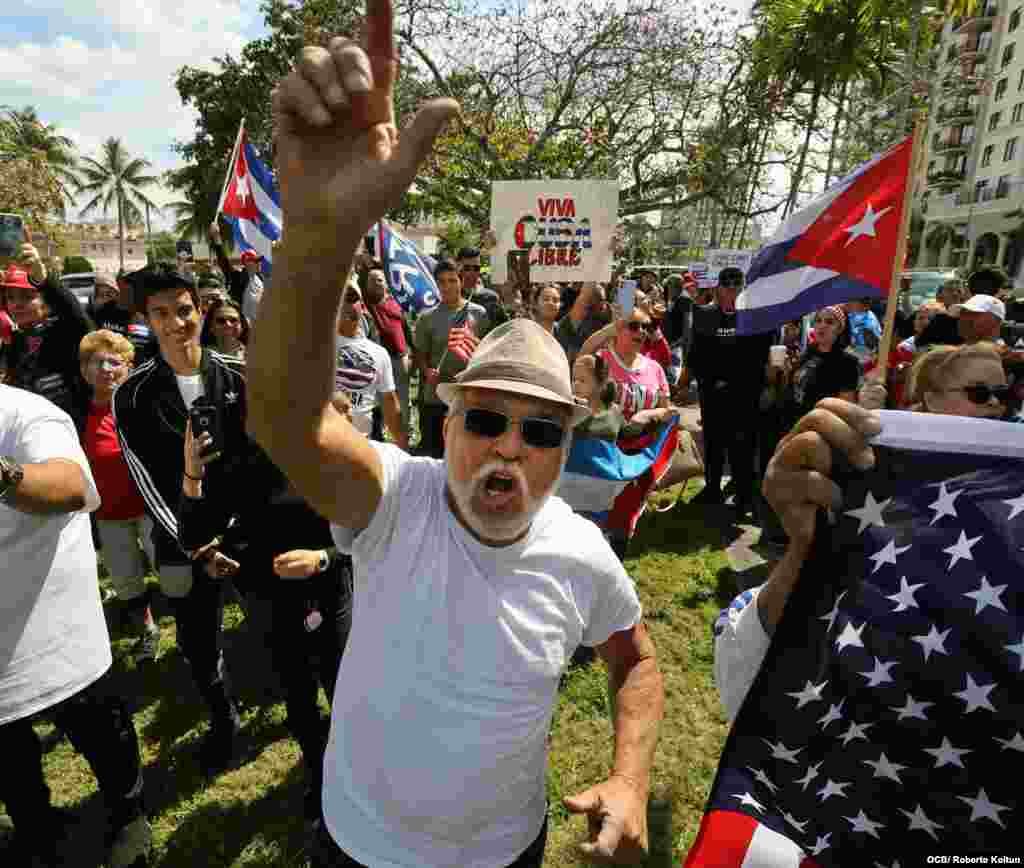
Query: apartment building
x=972, y=195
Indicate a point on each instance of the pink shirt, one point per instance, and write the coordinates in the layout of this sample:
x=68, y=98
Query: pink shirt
x=639, y=387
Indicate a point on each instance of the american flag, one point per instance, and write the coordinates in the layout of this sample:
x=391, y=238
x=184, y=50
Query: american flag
x=462, y=340
x=886, y=723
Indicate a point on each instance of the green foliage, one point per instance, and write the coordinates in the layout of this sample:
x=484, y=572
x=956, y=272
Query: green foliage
x=161, y=246
x=77, y=265
x=25, y=138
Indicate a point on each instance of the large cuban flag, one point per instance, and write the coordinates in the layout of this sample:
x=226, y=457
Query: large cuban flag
x=838, y=248
x=409, y=272
x=251, y=202
x=608, y=481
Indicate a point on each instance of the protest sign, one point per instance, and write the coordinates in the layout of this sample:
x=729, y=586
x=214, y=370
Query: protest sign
x=565, y=226
x=720, y=257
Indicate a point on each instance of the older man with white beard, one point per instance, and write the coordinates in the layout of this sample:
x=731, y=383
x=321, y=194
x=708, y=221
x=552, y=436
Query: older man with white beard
x=473, y=585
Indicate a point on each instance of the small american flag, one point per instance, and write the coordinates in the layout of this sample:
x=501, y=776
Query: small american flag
x=886, y=723
x=462, y=340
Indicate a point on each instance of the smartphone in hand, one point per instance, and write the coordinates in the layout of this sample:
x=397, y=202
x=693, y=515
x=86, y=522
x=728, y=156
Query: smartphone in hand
x=12, y=236
x=205, y=417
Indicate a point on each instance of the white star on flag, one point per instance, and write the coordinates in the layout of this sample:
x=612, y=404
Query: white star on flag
x=1015, y=743
x=810, y=693
x=919, y=820
x=947, y=755
x=831, y=616
x=855, y=731
x=880, y=674
x=242, y=191
x=934, y=641
x=821, y=844
x=781, y=752
x=833, y=788
x=983, y=809
x=759, y=775
x=793, y=821
x=834, y=713
x=866, y=224
x=976, y=695
x=885, y=769
x=747, y=799
x=912, y=709
x=961, y=551
x=850, y=636
x=812, y=773
x=861, y=823
x=1016, y=507
x=987, y=595
x=1018, y=649
x=887, y=555
x=904, y=598
x=870, y=514
x=944, y=505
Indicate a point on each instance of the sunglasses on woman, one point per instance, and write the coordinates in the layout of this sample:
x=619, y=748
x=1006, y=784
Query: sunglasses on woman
x=536, y=432
x=227, y=320
x=982, y=394
x=635, y=326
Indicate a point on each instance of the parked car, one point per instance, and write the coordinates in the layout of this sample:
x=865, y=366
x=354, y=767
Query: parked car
x=82, y=284
x=924, y=283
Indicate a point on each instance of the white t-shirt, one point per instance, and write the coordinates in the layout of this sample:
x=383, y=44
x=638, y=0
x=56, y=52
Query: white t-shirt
x=363, y=372
x=445, y=694
x=252, y=297
x=191, y=387
x=53, y=636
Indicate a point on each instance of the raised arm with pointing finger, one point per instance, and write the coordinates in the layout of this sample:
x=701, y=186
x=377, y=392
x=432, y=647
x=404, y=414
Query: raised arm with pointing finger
x=341, y=165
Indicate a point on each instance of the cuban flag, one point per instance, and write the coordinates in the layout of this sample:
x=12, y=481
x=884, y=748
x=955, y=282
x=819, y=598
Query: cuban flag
x=840, y=247
x=251, y=203
x=608, y=481
x=410, y=273
x=886, y=721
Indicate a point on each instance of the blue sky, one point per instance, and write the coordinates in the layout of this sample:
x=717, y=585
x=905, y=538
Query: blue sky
x=100, y=69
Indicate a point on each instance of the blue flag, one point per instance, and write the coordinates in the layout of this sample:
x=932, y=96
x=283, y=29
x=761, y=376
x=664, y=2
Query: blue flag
x=410, y=273
x=886, y=722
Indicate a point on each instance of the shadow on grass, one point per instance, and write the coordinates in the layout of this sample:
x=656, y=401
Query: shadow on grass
x=683, y=530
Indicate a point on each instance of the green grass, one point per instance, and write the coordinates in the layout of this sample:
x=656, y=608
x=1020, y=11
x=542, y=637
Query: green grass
x=251, y=815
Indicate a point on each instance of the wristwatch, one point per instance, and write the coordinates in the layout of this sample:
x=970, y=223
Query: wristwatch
x=11, y=474
x=323, y=563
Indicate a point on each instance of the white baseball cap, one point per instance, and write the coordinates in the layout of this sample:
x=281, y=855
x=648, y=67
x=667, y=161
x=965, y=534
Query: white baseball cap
x=985, y=304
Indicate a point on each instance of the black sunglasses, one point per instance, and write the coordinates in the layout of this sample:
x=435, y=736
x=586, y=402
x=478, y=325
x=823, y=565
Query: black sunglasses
x=470, y=267
x=982, y=394
x=353, y=297
x=732, y=283
x=539, y=433
x=635, y=326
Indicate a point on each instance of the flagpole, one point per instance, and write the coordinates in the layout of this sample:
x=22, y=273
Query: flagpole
x=231, y=167
x=916, y=153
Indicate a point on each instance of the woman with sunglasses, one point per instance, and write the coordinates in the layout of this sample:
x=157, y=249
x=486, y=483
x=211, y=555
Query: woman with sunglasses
x=226, y=330
x=961, y=381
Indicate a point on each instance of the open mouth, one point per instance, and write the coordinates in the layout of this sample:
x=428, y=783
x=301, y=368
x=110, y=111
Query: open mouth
x=500, y=488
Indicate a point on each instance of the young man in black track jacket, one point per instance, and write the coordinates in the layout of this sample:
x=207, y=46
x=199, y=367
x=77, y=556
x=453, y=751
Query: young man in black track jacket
x=151, y=411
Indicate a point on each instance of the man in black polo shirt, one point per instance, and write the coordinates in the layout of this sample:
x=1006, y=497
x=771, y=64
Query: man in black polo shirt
x=730, y=370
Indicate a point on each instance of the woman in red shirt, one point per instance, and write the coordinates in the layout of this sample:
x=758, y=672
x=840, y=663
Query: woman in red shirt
x=106, y=360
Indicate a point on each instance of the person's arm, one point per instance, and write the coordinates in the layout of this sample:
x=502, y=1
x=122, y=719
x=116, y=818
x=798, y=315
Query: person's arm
x=392, y=411
x=598, y=339
x=52, y=487
x=220, y=253
x=339, y=170
x=581, y=306
x=618, y=806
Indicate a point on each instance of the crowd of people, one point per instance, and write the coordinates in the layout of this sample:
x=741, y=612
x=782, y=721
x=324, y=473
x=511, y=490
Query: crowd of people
x=383, y=485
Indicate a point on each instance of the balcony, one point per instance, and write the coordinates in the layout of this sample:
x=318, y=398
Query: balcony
x=982, y=20
x=945, y=178
x=956, y=114
x=952, y=147
x=970, y=202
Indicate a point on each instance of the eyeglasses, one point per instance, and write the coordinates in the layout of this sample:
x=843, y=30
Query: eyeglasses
x=732, y=283
x=828, y=320
x=470, y=267
x=107, y=363
x=982, y=394
x=536, y=432
x=636, y=325
x=228, y=320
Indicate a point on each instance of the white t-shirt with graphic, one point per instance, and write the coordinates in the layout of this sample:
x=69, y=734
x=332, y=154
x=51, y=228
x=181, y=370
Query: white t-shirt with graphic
x=54, y=640
x=445, y=695
x=363, y=372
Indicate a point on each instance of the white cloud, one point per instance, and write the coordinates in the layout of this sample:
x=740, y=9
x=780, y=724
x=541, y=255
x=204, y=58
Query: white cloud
x=103, y=68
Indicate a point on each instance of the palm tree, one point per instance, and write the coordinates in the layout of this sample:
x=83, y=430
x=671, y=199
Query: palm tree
x=117, y=179
x=22, y=134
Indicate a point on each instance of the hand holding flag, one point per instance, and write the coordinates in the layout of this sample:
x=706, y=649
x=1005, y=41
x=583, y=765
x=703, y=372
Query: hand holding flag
x=462, y=341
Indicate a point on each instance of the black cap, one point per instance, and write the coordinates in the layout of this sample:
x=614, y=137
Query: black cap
x=730, y=271
x=157, y=277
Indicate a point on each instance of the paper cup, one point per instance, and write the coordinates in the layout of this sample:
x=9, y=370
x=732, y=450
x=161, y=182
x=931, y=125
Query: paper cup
x=777, y=355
